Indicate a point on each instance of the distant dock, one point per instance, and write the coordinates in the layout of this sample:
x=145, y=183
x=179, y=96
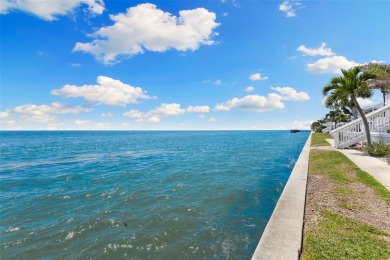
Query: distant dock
x=297, y=131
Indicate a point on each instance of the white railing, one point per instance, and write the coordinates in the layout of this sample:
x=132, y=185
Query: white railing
x=354, y=132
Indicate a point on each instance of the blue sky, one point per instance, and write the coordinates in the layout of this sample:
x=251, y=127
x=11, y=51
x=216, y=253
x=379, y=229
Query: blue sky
x=180, y=65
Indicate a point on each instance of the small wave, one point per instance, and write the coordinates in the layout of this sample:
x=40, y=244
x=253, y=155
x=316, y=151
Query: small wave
x=227, y=247
x=12, y=229
x=70, y=235
x=115, y=247
x=251, y=225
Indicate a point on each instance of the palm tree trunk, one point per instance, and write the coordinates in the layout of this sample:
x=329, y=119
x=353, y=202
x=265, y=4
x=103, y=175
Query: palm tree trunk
x=384, y=98
x=364, y=118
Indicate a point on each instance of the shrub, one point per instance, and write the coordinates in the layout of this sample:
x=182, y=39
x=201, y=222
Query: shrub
x=379, y=149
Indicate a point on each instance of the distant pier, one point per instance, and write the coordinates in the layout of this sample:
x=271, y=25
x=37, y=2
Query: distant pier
x=297, y=131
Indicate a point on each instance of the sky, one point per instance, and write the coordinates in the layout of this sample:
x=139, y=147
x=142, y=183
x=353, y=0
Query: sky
x=180, y=65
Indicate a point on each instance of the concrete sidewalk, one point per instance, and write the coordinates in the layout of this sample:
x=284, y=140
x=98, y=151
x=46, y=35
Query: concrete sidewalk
x=377, y=168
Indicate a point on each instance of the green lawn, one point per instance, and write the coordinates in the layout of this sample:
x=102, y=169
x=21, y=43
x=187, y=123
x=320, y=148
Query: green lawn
x=337, y=236
x=318, y=139
x=337, y=167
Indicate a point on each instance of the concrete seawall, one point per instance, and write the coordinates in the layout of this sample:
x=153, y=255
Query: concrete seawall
x=282, y=237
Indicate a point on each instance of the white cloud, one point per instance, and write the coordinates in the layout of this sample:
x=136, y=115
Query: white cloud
x=53, y=108
x=164, y=110
x=257, y=76
x=305, y=124
x=75, y=64
x=222, y=107
x=198, y=109
x=55, y=126
x=249, y=89
x=320, y=51
x=365, y=102
x=217, y=82
x=290, y=7
x=109, y=114
x=152, y=119
x=144, y=27
x=9, y=125
x=331, y=65
x=134, y=113
x=44, y=113
x=212, y=119
x=291, y=94
x=50, y=9
x=37, y=118
x=4, y=114
x=253, y=103
x=91, y=125
x=108, y=91
x=225, y=14
x=172, y=109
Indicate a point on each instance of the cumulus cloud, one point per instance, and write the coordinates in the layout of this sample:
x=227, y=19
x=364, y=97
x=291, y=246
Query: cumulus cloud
x=253, y=103
x=53, y=108
x=90, y=125
x=289, y=93
x=164, y=110
x=320, y=51
x=290, y=7
x=305, y=124
x=4, y=114
x=198, y=109
x=257, y=76
x=44, y=113
x=365, y=102
x=249, y=89
x=144, y=27
x=50, y=9
x=9, y=125
x=331, y=65
x=108, y=91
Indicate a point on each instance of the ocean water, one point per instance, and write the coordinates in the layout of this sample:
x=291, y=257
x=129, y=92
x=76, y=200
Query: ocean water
x=140, y=195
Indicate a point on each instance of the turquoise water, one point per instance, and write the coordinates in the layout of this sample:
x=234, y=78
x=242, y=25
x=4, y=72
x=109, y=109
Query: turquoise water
x=140, y=195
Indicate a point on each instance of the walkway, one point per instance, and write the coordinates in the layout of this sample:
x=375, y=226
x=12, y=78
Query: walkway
x=377, y=168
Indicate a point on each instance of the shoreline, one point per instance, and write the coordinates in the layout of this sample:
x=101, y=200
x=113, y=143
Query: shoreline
x=279, y=239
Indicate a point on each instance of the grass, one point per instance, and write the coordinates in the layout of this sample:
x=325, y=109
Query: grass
x=343, y=191
x=333, y=165
x=337, y=237
x=318, y=139
x=369, y=181
x=337, y=167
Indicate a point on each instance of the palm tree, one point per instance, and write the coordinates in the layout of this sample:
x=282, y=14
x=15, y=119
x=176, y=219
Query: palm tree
x=382, y=77
x=336, y=102
x=351, y=85
x=318, y=126
x=336, y=116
